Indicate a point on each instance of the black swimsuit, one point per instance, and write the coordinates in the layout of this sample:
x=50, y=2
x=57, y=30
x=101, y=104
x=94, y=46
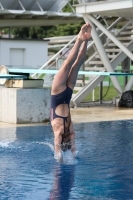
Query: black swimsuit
x=61, y=98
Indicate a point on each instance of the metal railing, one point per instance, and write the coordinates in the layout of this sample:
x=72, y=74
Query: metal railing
x=76, y=2
x=51, y=61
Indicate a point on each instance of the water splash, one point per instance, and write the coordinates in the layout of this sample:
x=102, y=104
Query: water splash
x=66, y=157
x=48, y=144
x=69, y=158
x=6, y=143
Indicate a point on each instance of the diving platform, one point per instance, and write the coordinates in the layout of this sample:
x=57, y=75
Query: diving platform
x=24, y=105
x=29, y=13
x=31, y=71
x=22, y=100
x=9, y=76
x=112, y=42
x=115, y=8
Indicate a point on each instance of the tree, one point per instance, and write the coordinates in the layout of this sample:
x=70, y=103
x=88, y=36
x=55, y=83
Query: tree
x=20, y=32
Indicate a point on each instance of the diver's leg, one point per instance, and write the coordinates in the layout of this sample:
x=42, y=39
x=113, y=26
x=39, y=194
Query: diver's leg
x=61, y=78
x=76, y=66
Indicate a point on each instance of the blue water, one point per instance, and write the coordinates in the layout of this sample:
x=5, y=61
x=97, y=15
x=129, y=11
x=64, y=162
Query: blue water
x=103, y=168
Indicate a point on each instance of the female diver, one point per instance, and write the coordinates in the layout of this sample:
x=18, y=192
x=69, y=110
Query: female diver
x=61, y=92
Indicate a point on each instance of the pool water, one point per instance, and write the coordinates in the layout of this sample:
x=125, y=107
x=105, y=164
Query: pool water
x=102, y=170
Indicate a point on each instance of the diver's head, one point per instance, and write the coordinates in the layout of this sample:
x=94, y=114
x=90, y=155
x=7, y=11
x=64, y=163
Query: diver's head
x=66, y=143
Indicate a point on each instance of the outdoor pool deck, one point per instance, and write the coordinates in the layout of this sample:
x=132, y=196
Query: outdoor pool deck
x=101, y=113
x=90, y=114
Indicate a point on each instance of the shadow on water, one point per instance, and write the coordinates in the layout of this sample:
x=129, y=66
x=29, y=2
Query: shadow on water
x=63, y=182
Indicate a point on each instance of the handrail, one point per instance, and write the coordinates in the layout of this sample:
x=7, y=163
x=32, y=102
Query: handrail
x=109, y=28
x=123, y=28
x=45, y=66
x=56, y=55
x=115, y=40
x=83, y=2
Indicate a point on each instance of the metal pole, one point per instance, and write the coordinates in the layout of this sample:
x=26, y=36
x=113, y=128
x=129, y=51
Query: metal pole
x=101, y=92
x=93, y=95
x=102, y=53
x=126, y=68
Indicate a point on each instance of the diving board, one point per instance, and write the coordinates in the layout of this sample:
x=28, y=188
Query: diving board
x=80, y=72
x=12, y=76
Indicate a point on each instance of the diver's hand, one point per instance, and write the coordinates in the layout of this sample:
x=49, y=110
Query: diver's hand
x=58, y=156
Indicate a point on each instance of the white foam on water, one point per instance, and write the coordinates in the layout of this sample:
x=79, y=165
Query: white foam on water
x=5, y=143
x=130, y=122
x=48, y=144
x=67, y=157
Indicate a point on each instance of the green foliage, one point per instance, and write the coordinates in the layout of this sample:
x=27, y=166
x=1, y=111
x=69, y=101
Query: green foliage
x=20, y=32
x=108, y=93
x=29, y=33
x=68, y=29
x=67, y=8
x=48, y=31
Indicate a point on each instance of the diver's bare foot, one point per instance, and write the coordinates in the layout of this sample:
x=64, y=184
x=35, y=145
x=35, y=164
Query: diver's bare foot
x=85, y=32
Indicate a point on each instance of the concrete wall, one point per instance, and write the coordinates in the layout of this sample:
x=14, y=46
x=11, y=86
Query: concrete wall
x=23, y=53
x=21, y=106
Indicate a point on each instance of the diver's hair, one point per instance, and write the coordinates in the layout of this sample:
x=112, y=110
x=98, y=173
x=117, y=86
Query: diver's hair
x=66, y=144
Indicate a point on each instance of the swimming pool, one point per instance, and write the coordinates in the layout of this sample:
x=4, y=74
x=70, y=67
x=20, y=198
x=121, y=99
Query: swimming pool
x=103, y=168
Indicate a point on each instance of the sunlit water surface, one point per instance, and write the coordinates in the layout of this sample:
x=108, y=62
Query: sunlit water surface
x=103, y=168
